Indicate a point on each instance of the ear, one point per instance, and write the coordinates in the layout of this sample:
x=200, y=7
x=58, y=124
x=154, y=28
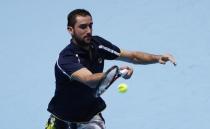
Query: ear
x=70, y=30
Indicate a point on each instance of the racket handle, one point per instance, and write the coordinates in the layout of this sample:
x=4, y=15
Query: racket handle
x=123, y=72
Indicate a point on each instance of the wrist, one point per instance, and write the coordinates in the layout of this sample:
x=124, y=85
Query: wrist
x=158, y=58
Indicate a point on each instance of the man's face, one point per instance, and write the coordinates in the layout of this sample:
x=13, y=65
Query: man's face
x=82, y=30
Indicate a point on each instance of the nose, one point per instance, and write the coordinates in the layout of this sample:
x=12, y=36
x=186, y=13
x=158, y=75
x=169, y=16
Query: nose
x=89, y=30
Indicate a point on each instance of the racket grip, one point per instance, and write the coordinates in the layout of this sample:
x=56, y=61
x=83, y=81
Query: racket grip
x=123, y=72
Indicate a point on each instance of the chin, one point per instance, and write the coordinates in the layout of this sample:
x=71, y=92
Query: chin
x=87, y=41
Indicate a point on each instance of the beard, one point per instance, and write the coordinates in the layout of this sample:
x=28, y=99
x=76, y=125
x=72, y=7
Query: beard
x=82, y=42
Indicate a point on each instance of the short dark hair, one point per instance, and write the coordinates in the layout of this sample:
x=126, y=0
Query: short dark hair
x=73, y=14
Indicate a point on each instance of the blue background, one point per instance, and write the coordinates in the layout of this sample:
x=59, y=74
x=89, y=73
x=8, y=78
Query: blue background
x=32, y=33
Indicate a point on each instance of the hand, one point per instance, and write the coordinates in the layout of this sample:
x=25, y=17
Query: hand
x=129, y=73
x=167, y=57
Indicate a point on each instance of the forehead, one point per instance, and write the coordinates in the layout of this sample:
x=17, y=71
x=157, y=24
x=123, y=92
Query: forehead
x=84, y=19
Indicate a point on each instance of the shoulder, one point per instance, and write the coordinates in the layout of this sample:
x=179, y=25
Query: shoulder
x=96, y=37
x=67, y=55
x=106, y=49
x=102, y=42
x=68, y=50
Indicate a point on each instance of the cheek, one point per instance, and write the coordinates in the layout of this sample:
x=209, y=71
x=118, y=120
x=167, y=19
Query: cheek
x=80, y=32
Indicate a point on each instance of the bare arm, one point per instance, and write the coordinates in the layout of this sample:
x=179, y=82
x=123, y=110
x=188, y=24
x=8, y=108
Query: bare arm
x=87, y=77
x=138, y=57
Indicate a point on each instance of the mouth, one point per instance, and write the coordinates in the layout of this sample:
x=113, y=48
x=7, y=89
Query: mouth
x=88, y=37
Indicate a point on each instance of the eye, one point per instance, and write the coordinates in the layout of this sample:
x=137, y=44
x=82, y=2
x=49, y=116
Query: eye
x=91, y=25
x=83, y=26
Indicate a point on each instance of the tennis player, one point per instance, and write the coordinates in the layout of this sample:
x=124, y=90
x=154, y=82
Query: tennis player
x=79, y=69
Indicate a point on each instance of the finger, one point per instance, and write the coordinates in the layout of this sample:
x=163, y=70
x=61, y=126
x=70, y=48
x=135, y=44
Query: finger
x=124, y=67
x=130, y=73
x=172, y=60
x=127, y=76
x=162, y=61
x=169, y=57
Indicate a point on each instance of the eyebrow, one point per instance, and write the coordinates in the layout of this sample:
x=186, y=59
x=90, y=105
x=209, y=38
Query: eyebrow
x=83, y=24
x=86, y=24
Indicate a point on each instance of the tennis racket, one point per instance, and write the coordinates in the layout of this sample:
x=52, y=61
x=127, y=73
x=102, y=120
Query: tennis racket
x=111, y=75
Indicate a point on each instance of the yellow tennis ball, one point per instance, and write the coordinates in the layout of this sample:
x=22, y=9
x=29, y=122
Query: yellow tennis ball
x=122, y=88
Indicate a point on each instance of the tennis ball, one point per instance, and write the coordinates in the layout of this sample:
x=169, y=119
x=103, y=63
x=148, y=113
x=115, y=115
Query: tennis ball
x=122, y=88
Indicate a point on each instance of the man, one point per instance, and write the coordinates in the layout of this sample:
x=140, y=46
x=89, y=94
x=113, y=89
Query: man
x=79, y=69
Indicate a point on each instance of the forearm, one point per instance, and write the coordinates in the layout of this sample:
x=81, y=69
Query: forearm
x=86, y=77
x=93, y=80
x=145, y=58
x=138, y=57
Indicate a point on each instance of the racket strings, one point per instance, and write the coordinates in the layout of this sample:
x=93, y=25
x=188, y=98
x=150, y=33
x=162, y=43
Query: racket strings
x=109, y=78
